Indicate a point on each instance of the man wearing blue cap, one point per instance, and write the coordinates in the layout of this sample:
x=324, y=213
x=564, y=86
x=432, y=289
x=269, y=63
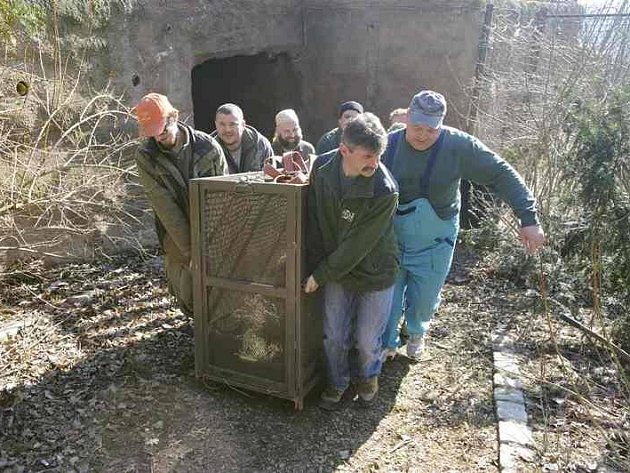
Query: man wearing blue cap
x=331, y=139
x=429, y=160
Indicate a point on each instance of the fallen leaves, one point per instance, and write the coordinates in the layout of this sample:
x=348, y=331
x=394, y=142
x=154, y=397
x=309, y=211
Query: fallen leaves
x=102, y=379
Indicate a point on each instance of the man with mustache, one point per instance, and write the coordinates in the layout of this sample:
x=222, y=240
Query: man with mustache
x=428, y=160
x=245, y=148
x=352, y=252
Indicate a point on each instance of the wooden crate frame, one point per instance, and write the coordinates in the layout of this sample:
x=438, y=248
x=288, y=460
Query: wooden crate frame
x=302, y=318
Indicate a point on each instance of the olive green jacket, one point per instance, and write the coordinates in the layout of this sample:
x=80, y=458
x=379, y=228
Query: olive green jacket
x=350, y=238
x=164, y=175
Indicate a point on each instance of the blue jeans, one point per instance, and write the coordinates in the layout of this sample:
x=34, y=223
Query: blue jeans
x=426, y=244
x=353, y=319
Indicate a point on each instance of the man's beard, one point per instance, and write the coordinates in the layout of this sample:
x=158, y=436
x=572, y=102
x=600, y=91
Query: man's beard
x=289, y=145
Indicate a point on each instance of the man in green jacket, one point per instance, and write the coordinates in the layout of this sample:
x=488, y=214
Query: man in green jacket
x=352, y=252
x=428, y=160
x=331, y=139
x=244, y=147
x=167, y=159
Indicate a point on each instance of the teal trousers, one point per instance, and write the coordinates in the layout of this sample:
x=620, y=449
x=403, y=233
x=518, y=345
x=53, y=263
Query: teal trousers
x=426, y=244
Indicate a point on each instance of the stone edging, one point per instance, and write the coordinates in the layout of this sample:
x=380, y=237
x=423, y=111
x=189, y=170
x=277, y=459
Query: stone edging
x=515, y=437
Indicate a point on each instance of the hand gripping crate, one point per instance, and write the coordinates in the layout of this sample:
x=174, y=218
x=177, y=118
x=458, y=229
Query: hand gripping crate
x=254, y=326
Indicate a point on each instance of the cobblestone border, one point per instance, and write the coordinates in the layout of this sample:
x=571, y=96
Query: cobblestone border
x=515, y=437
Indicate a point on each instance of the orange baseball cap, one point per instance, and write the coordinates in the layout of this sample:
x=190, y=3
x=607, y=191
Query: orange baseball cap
x=151, y=113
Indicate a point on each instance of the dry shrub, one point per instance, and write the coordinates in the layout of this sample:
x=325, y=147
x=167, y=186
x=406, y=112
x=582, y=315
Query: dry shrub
x=67, y=182
x=556, y=104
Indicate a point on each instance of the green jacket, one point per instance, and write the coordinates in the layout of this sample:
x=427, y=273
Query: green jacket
x=351, y=237
x=255, y=149
x=329, y=141
x=165, y=175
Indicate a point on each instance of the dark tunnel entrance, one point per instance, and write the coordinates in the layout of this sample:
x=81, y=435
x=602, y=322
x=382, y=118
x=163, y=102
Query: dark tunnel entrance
x=261, y=85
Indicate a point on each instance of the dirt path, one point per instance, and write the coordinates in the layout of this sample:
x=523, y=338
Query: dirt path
x=102, y=380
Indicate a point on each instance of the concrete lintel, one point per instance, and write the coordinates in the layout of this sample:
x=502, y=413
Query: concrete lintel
x=511, y=457
x=501, y=379
x=511, y=411
x=502, y=393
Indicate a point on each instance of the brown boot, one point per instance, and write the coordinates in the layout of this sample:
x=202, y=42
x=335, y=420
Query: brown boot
x=330, y=398
x=367, y=389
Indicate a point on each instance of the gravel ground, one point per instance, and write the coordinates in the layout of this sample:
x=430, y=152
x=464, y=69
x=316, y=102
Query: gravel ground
x=101, y=378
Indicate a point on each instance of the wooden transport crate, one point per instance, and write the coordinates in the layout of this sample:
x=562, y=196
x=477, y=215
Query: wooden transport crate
x=254, y=326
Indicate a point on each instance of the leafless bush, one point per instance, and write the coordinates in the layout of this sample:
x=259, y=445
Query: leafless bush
x=540, y=68
x=66, y=168
x=556, y=104
x=548, y=76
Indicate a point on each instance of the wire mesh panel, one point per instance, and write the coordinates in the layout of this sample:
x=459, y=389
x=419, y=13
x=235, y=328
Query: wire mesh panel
x=247, y=331
x=247, y=234
x=254, y=326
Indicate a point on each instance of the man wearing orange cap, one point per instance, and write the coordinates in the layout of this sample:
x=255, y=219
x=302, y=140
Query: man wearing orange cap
x=171, y=155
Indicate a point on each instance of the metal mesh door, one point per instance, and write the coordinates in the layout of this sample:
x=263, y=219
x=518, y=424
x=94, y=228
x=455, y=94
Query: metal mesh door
x=245, y=236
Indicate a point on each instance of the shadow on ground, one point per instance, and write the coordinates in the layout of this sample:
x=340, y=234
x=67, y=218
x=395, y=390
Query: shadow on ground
x=118, y=393
x=104, y=381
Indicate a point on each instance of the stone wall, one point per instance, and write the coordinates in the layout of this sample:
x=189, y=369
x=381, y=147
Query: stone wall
x=265, y=55
x=376, y=52
x=161, y=41
x=381, y=53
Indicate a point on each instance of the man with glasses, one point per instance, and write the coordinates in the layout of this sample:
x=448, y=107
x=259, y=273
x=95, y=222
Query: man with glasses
x=244, y=147
x=428, y=160
x=172, y=154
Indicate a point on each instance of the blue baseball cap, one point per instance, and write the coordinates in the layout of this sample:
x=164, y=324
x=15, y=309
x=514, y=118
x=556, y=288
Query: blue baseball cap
x=427, y=108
